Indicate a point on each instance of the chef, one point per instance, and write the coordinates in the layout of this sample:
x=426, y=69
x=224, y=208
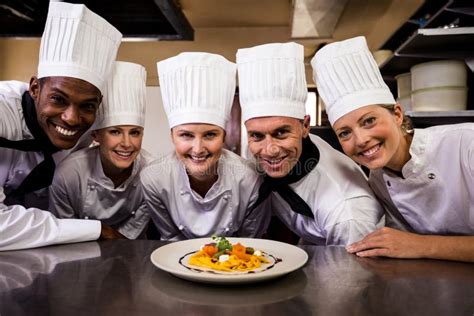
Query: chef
x=316, y=191
x=201, y=189
x=425, y=177
x=40, y=119
x=102, y=182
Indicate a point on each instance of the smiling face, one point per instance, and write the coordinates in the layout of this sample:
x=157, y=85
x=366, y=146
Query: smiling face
x=119, y=146
x=65, y=108
x=276, y=142
x=372, y=136
x=199, y=147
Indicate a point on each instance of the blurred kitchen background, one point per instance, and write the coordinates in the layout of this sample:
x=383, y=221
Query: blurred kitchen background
x=400, y=33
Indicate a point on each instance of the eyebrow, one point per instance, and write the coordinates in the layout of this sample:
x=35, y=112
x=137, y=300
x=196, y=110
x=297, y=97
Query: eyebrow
x=285, y=127
x=364, y=116
x=57, y=90
x=191, y=132
x=358, y=121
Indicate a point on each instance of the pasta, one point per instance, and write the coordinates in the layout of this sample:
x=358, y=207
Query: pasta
x=223, y=256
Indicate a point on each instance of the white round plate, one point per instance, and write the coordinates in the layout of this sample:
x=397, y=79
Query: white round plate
x=168, y=258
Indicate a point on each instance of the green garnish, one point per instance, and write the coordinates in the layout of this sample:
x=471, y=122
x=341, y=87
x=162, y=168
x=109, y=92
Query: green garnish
x=222, y=243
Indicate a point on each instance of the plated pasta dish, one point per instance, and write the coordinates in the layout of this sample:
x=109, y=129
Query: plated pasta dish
x=221, y=256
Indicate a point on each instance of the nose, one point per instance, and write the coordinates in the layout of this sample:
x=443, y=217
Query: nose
x=361, y=137
x=125, y=140
x=71, y=116
x=198, y=145
x=270, y=148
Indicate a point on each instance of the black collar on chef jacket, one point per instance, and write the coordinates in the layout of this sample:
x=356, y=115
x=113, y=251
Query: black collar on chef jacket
x=42, y=175
x=306, y=163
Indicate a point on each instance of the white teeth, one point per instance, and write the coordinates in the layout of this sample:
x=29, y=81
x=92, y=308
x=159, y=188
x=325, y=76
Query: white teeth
x=124, y=153
x=64, y=131
x=198, y=158
x=371, y=151
x=273, y=161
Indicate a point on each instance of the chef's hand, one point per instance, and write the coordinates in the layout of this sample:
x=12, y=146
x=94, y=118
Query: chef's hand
x=389, y=242
x=108, y=233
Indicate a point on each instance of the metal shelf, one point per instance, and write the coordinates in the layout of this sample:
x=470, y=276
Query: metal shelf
x=433, y=42
x=440, y=43
x=467, y=113
x=430, y=44
x=426, y=119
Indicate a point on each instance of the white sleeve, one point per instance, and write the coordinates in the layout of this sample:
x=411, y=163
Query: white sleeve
x=22, y=228
x=356, y=218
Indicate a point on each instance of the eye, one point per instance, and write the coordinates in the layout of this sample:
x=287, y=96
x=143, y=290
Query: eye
x=114, y=132
x=57, y=99
x=135, y=133
x=280, y=133
x=343, y=134
x=256, y=137
x=368, y=121
x=210, y=135
x=89, y=107
x=185, y=135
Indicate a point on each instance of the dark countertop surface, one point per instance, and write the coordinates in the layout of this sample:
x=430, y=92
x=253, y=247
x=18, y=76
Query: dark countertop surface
x=117, y=278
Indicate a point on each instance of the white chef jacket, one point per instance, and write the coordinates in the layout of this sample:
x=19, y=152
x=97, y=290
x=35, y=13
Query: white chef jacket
x=180, y=213
x=436, y=193
x=22, y=227
x=80, y=189
x=344, y=207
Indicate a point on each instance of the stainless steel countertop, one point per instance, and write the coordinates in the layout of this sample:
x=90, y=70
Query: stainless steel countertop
x=117, y=277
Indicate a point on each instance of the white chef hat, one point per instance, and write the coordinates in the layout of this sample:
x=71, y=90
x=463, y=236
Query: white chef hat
x=272, y=80
x=77, y=43
x=197, y=88
x=124, y=101
x=348, y=78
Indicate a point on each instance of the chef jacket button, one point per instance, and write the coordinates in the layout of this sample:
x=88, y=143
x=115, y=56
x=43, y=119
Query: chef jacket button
x=389, y=184
x=182, y=192
x=431, y=176
x=86, y=217
x=92, y=187
x=20, y=171
x=226, y=197
x=181, y=227
x=133, y=212
x=227, y=229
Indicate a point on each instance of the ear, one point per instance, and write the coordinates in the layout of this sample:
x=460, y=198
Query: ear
x=172, y=138
x=224, y=132
x=306, y=125
x=34, y=88
x=398, y=114
x=101, y=99
x=95, y=136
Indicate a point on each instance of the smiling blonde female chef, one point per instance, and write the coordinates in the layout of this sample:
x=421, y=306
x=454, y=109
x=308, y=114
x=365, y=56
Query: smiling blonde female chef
x=425, y=177
x=102, y=182
x=201, y=189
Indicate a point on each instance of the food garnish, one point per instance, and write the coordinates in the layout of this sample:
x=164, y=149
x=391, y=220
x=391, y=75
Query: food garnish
x=223, y=256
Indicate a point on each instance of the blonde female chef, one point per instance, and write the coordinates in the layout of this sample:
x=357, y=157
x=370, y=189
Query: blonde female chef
x=102, y=182
x=425, y=177
x=201, y=188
